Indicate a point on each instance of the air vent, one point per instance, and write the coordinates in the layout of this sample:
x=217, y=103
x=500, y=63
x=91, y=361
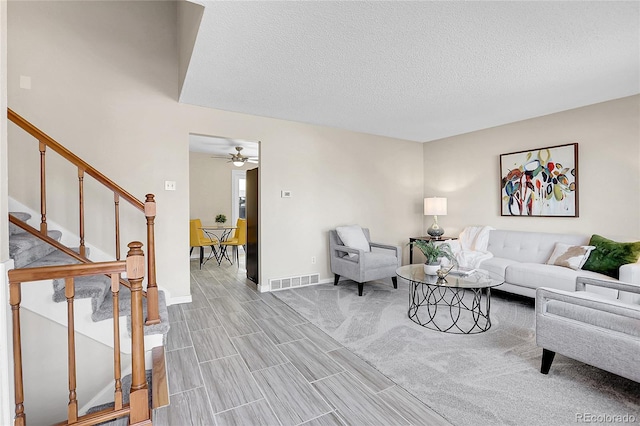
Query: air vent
x=292, y=282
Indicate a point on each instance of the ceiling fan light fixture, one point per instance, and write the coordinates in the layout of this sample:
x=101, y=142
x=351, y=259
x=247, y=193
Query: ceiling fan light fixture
x=238, y=163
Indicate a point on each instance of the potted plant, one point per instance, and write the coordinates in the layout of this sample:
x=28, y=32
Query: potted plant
x=433, y=253
x=221, y=218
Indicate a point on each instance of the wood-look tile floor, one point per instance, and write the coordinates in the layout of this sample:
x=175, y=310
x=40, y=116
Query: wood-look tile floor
x=239, y=357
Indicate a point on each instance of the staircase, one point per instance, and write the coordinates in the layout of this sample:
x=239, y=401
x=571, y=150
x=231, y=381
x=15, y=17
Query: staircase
x=28, y=251
x=104, y=301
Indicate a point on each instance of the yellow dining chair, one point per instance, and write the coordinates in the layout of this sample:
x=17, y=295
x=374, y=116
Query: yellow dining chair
x=239, y=239
x=198, y=239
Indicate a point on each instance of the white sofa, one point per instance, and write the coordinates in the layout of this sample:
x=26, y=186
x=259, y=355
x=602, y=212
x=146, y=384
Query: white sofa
x=519, y=257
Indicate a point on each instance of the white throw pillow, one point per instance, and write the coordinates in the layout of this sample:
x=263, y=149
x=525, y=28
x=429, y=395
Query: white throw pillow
x=352, y=236
x=569, y=256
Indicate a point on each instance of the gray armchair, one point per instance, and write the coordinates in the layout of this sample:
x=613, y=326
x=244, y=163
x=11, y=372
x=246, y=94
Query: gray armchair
x=589, y=327
x=381, y=262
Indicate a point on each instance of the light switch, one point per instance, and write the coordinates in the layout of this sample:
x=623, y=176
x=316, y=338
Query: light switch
x=169, y=185
x=285, y=194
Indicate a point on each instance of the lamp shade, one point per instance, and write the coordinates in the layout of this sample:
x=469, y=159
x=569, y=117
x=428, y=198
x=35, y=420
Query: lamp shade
x=435, y=206
x=238, y=163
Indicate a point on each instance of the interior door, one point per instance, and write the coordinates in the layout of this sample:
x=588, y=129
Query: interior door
x=252, y=224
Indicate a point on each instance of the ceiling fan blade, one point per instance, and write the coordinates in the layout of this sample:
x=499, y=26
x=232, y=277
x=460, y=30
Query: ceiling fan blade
x=251, y=160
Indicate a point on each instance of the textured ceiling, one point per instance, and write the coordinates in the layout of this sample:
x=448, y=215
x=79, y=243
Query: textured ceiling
x=413, y=70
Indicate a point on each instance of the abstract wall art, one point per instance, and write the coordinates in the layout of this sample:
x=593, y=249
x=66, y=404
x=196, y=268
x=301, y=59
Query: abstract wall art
x=540, y=182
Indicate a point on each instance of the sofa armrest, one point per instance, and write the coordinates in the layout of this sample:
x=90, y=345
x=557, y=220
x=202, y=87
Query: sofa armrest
x=396, y=249
x=630, y=273
x=582, y=282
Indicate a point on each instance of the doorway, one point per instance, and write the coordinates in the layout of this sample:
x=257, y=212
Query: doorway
x=218, y=183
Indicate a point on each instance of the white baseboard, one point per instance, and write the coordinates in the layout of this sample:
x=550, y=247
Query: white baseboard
x=178, y=300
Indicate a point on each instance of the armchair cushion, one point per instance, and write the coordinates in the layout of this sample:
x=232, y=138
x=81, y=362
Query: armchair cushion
x=352, y=236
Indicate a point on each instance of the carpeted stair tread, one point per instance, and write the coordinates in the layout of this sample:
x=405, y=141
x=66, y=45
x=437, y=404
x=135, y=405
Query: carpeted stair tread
x=163, y=311
x=13, y=229
x=95, y=287
x=54, y=258
x=24, y=248
x=126, y=390
x=105, y=311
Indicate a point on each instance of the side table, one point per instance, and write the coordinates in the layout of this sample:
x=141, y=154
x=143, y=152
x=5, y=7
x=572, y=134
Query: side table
x=426, y=238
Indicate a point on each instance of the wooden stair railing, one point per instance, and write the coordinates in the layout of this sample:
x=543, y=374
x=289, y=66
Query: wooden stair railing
x=134, y=265
x=148, y=207
x=66, y=250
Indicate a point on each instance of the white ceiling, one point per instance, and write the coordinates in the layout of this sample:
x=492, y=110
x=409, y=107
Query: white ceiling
x=413, y=70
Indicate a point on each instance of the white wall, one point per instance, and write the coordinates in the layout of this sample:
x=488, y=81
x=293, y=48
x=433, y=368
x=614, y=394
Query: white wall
x=465, y=169
x=210, y=186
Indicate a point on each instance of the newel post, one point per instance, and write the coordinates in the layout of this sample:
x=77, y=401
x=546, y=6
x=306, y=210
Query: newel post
x=153, y=315
x=139, y=400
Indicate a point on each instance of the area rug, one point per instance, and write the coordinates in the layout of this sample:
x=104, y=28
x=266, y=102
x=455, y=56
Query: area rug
x=492, y=378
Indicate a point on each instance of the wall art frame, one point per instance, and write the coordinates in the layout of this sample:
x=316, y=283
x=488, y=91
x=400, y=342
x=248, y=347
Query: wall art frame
x=541, y=182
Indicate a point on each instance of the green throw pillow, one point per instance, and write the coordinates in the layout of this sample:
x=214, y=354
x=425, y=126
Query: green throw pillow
x=609, y=255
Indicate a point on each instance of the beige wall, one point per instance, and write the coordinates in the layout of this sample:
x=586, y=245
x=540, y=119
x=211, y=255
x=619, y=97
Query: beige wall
x=6, y=384
x=210, y=186
x=4, y=227
x=189, y=16
x=465, y=169
x=108, y=92
x=336, y=177
x=44, y=356
x=104, y=83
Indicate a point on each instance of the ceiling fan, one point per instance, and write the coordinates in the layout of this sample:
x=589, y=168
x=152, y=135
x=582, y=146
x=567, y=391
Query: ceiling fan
x=238, y=159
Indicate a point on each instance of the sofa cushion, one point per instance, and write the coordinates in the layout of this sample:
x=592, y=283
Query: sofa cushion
x=375, y=259
x=533, y=247
x=609, y=255
x=569, y=256
x=497, y=266
x=352, y=236
x=534, y=275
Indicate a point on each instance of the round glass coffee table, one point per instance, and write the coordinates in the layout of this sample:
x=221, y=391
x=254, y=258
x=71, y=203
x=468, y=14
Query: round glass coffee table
x=455, y=304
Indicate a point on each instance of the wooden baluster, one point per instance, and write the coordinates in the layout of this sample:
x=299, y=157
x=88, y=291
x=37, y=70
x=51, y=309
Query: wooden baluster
x=43, y=190
x=153, y=315
x=69, y=292
x=117, y=369
x=81, y=202
x=116, y=200
x=14, y=299
x=139, y=399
